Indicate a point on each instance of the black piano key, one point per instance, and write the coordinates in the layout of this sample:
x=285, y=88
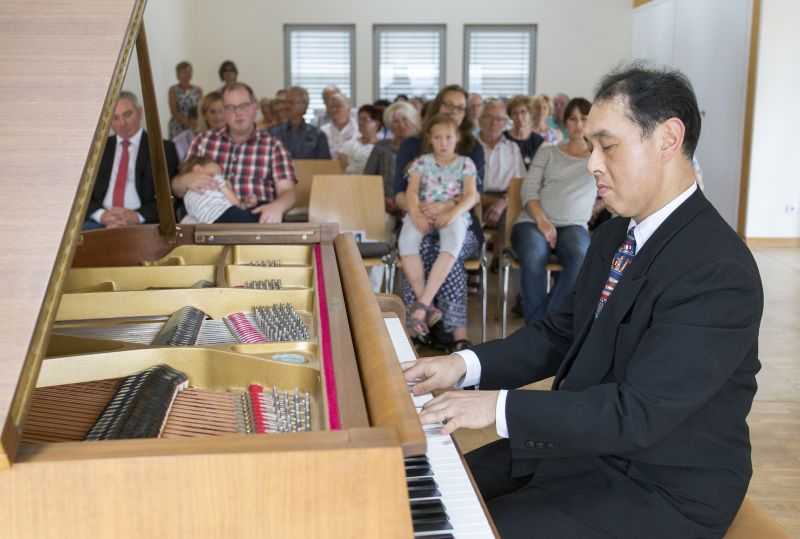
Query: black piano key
x=433, y=525
x=437, y=536
x=427, y=507
x=421, y=459
x=423, y=488
x=419, y=471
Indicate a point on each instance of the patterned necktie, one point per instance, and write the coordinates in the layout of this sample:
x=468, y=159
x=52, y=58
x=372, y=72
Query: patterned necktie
x=622, y=259
x=118, y=198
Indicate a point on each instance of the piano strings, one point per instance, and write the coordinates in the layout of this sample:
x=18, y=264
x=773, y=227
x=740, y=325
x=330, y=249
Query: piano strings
x=190, y=326
x=157, y=403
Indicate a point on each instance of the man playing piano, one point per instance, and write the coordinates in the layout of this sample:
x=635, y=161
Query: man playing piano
x=124, y=192
x=654, y=358
x=256, y=164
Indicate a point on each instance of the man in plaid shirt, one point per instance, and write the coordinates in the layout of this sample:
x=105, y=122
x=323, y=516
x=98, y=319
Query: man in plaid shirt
x=257, y=165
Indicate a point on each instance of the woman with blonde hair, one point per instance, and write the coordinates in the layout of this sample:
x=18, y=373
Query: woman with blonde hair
x=184, y=98
x=542, y=108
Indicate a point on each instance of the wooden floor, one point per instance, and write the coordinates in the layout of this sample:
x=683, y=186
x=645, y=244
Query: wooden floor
x=775, y=417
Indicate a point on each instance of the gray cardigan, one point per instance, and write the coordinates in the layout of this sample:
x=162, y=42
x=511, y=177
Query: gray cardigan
x=563, y=186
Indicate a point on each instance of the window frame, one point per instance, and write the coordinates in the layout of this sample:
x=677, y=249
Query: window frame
x=288, y=28
x=377, y=29
x=532, y=29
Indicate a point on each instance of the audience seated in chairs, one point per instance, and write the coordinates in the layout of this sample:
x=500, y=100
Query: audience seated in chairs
x=256, y=164
x=439, y=176
x=124, y=191
x=303, y=140
x=342, y=127
x=279, y=106
x=452, y=296
x=557, y=198
x=403, y=122
x=520, y=108
x=503, y=162
x=474, y=109
x=267, y=120
x=556, y=119
x=355, y=152
x=541, y=112
x=212, y=112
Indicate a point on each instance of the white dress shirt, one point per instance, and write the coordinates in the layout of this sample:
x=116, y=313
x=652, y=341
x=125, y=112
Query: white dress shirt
x=641, y=233
x=132, y=200
x=503, y=162
x=338, y=137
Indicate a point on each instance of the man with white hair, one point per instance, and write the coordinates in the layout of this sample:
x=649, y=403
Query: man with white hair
x=342, y=127
x=304, y=141
x=124, y=192
x=503, y=158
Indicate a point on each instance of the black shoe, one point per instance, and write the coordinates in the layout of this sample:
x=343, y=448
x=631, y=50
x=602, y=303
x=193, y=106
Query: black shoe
x=440, y=338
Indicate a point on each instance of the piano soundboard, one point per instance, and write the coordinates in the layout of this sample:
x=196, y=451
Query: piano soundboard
x=444, y=502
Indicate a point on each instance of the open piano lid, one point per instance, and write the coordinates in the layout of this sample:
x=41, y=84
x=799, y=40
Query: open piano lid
x=61, y=68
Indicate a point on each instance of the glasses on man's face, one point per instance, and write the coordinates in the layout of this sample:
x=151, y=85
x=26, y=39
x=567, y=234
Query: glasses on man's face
x=242, y=107
x=453, y=108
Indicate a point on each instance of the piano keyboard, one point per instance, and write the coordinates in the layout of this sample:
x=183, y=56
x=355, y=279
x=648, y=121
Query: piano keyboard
x=443, y=502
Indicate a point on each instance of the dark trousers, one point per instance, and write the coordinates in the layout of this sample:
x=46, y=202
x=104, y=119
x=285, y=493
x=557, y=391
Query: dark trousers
x=235, y=214
x=574, y=498
x=533, y=253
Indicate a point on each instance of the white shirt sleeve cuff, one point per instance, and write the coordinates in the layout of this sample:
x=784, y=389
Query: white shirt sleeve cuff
x=473, y=375
x=97, y=215
x=500, y=414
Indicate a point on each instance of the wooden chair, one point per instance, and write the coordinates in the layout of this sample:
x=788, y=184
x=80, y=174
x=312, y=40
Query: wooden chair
x=305, y=170
x=356, y=203
x=508, y=260
x=752, y=521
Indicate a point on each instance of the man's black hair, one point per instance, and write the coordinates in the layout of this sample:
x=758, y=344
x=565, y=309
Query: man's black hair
x=654, y=96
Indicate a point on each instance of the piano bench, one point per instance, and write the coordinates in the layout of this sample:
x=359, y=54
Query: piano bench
x=753, y=521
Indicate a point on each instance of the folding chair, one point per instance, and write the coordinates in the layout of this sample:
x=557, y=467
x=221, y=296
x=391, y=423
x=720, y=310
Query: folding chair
x=509, y=259
x=305, y=170
x=356, y=203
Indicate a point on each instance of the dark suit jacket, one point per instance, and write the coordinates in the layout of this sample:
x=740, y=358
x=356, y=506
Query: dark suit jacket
x=655, y=391
x=145, y=186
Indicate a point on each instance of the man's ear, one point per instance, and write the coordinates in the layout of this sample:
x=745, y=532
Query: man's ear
x=671, y=133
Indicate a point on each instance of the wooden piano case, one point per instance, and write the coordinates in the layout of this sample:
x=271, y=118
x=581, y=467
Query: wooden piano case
x=345, y=478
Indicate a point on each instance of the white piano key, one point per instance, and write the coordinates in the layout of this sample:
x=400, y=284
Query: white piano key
x=461, y=502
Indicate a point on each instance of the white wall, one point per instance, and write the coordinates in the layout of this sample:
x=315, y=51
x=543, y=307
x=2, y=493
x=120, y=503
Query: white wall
x=577, y=42
x=774, y=177
x=169, y=41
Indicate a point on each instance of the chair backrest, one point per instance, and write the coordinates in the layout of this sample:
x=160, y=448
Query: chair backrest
x=305, y=170
x=513, y=206
x=355, y=202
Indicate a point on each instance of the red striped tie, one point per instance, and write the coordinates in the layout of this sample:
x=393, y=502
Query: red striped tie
x=118, y=199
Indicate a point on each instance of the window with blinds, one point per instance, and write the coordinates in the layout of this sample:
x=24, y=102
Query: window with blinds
x=408, y=60
x=499, y=60
x=317, y=56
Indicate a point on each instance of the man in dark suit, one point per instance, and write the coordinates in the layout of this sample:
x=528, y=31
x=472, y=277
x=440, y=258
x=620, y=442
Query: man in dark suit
x=124, y=192
x=654, y=358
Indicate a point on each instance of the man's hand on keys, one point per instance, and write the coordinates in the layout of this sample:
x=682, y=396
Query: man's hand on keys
x=454, y=409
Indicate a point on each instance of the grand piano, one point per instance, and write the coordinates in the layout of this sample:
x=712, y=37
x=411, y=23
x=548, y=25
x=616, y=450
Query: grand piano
x=84, y=312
